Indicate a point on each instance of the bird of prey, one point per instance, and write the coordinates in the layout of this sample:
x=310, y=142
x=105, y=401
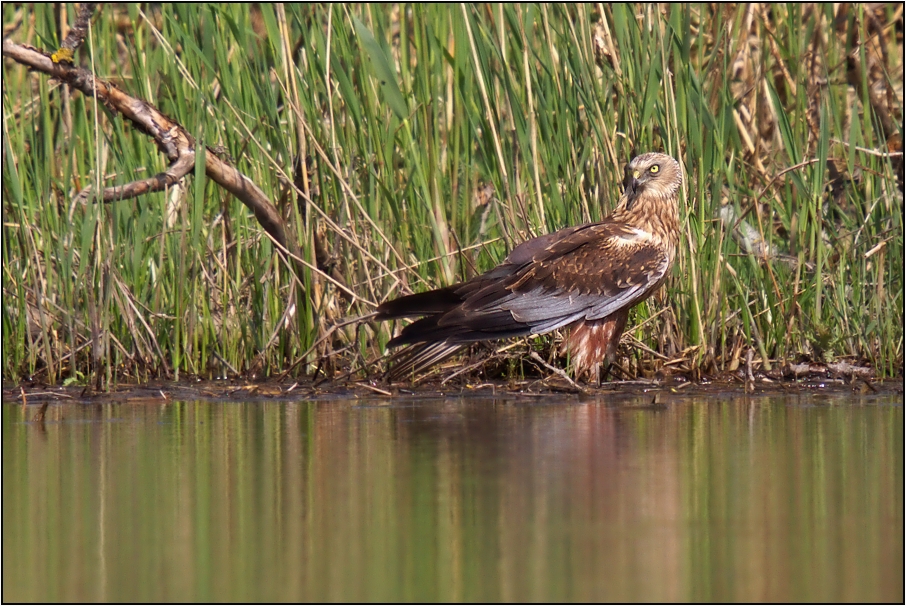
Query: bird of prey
x=585, y=278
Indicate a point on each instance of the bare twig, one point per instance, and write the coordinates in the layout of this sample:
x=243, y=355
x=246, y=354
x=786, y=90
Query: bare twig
x=870, y=152
x=559, y=371
x=76, y=36
x=383, y=392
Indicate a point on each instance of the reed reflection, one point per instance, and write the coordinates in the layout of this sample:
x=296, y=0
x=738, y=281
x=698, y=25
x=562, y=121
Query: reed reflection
x=455, y=499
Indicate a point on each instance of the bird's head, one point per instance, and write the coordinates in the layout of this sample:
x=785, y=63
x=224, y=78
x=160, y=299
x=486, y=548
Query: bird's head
x=654, y=174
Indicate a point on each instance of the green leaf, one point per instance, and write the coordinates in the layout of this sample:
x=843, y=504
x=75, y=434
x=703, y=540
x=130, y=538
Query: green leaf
x=383, y=71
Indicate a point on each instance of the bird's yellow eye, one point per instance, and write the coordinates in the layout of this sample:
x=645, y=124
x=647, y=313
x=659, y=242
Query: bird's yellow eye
x=654, y=169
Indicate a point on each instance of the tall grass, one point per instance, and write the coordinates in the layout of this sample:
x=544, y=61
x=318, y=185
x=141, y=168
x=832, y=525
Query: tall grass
x=436, y=138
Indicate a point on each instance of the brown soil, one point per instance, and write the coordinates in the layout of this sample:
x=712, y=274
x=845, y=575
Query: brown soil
x=160, y=391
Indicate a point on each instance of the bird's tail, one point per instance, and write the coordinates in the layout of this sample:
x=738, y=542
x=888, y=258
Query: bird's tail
x=418, y=357
x=420, y=304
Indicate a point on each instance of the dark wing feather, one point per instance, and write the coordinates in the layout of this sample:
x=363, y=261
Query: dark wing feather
x=417, y=358
x=443, y=300
x=589, y=273
x=536, y=248
x=616, y=268
x=420, y=304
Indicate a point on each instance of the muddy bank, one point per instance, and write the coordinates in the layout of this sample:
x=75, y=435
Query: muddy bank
x=660, y=391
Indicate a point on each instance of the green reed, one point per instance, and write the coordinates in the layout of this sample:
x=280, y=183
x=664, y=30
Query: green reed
x=437, y=138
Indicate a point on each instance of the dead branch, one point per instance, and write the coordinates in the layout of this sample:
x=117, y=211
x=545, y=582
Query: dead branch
x=77, y=32
x=171, y=139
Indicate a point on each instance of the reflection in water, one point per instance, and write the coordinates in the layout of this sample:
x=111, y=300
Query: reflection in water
x=458, y=499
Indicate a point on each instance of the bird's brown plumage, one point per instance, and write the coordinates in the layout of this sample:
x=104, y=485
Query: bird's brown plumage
x=585, y=278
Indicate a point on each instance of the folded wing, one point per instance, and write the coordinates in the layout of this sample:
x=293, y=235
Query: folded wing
x=586, y=272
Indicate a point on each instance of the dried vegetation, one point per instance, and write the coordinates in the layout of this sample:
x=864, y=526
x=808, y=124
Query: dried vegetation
x=406, y=147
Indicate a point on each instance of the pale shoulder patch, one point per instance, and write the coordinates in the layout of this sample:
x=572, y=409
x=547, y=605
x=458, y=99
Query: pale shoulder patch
x=631, y=236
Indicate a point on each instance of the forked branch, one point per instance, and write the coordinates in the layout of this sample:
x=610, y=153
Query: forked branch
x=171, y=138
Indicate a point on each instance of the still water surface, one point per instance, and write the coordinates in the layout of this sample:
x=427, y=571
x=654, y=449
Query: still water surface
x=756, y=499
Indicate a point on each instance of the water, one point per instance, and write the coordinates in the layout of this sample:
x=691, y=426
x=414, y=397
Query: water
x=719, y=499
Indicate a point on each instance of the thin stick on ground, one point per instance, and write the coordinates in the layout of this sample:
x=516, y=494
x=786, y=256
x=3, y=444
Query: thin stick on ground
x=558, y=371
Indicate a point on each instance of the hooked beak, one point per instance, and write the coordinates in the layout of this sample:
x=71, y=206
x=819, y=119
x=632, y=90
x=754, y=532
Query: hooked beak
x=631, y=181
